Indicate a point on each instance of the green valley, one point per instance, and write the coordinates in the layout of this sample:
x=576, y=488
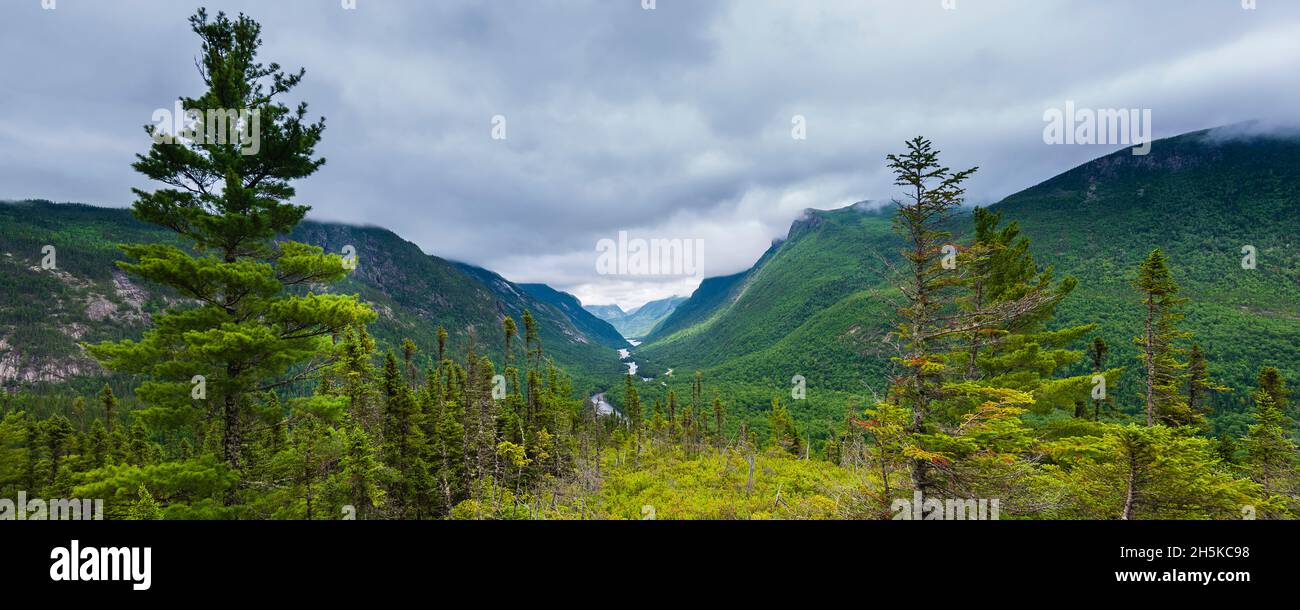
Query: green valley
x=1118, y=342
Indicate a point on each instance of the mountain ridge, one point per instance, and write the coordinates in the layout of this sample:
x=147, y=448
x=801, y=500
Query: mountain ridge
x=88, y=299
x=638, y=322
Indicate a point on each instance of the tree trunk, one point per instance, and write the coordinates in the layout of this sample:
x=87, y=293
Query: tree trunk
x=1150, y=361
x=1130, y=484
x=919, y=466
x=749, y=484
x=307, y=472
x=971, y=369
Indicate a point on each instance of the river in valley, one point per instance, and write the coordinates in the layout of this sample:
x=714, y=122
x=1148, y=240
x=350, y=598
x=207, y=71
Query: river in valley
x=603, y=407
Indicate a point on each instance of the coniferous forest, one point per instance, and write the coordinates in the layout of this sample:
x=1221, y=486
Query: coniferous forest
x=240, y=367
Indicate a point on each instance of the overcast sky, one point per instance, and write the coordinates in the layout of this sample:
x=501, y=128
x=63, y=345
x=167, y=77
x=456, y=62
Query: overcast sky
x=668, y=123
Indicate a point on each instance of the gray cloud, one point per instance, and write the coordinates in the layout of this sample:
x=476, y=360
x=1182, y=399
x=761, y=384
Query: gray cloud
x=671, y=123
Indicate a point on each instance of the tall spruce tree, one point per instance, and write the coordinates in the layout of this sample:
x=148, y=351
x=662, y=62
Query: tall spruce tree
x=1158, y=345
x=933, y=192
x=975, y=350
x=631, y=404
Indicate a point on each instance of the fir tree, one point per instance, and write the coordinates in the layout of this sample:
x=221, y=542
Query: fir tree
x=510, y=331
x=145, y=507
x=785, y=434
x=58, y=436
x=1227, y=448
x=449, y=445
x=359, y=482
x=442, y=343
x=1270, y=451
x=312, y=451
x=353, y=377
x=886, y=423
x=1199, y=384
x=97, y=445
x=719, y=415
x=140, y=451
x=697, y=396
x=1168, y=475
x=532, y=339
x=79, y=413
x=631, y=405
x=1146, y=472
x=1097, y=350
x=400, y=432
x=109, y=402
x=933, y=193
x=1159, y=351
x=409, y=349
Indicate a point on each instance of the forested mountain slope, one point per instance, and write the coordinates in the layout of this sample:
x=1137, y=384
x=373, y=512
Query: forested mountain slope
x=1202, y=199
x=590, y=324
x=815, y=304
x=43, y=313
x=706, y=299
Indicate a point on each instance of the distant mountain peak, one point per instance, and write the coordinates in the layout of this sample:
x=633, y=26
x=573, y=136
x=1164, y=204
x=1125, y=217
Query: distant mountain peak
x=638, y=322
